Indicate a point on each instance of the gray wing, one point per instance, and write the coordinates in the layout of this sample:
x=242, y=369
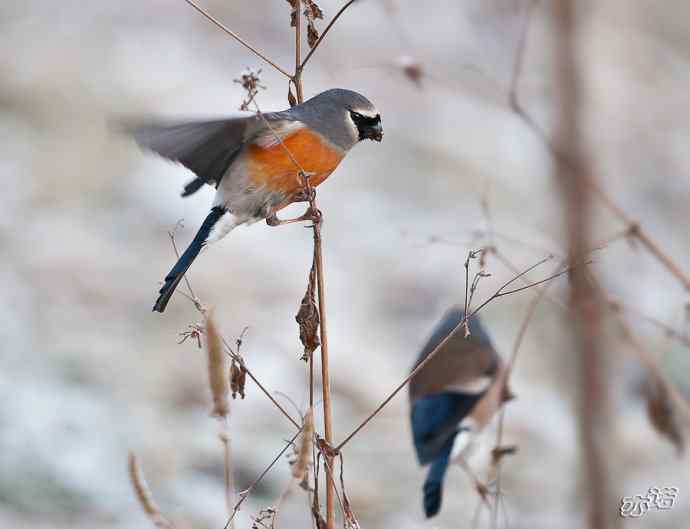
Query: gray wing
x=207, y=148
x=460, y=362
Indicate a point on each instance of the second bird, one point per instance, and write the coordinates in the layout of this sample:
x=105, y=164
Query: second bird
x=452, y=398
x=253, y=161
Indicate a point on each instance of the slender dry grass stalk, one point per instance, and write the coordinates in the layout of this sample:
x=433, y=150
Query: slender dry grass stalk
x=144, y=495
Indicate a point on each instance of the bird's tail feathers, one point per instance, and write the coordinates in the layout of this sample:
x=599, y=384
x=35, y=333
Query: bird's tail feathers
x=211, y=230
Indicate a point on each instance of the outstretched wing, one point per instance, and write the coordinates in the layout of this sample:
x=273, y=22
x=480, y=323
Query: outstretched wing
x=207, y=148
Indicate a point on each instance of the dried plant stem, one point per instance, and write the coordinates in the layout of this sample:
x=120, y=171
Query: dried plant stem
x=235, y=36
x=143, y=493
x=318, y=258
x=574, y=178
x=228, y=468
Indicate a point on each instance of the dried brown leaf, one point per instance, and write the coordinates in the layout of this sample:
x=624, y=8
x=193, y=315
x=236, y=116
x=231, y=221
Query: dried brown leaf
x=217, y=368
x=238, y=377
x=325, y=447
x=662, y=413
x=311, y=10
x=412, y=69
x=308, y=318
x=292, y=100
x=312, y=34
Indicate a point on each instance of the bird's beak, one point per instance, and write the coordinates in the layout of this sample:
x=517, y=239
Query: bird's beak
x=375, y=132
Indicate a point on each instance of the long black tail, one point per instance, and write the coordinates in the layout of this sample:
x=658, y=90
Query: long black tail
x=433, y=485
x=187, y=258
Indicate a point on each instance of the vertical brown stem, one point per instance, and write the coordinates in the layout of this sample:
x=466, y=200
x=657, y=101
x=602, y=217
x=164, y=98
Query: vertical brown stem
x=574, y=175
x=318, y=258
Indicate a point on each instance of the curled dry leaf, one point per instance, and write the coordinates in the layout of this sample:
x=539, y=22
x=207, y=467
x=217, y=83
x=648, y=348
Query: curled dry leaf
x=238, y=376
x=312, y=11
x=308, y=318
x=292, y=100
x=217, y=368
x=325, y=447
x=411, y=68
x=662, y=413
x=312, y=34
x=293, y=12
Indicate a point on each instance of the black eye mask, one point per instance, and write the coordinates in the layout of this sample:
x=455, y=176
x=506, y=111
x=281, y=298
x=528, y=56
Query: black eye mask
x=365, y=124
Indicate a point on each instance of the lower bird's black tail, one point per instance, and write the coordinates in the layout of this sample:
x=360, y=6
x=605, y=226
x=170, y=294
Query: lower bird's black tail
x=187, y=258
x=433, y=485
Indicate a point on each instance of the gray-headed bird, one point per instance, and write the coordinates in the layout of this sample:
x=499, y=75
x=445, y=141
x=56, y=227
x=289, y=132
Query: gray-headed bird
x=254, y=162
x=452, y=398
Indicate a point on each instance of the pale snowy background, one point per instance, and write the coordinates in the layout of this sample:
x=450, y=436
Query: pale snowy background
x=87, y=371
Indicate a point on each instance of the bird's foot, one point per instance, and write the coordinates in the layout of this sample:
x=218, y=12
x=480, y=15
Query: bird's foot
x=311, y=215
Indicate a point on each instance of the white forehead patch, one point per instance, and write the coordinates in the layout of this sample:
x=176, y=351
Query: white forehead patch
x=368, y=113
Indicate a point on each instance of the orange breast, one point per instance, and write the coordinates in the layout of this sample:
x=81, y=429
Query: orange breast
x=273, y=168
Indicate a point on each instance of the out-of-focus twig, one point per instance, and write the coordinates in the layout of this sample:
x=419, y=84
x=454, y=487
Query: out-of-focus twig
x=575, y=179
x=235, y=36
x=143, y=493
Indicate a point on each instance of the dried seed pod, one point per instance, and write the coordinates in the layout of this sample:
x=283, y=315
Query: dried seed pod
x=217, y=368
x=299, y=468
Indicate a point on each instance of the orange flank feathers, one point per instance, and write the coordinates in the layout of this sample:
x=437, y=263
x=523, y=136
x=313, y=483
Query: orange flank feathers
x=272, y=168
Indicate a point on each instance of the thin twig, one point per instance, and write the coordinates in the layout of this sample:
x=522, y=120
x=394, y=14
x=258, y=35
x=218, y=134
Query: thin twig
x=559, y=156
x=235, y=36
x=531, y=310
x=245, y=493
x=433, y=353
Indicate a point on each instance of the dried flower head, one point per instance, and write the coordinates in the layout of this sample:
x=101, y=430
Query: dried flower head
x=251, y=82
x=217, y=368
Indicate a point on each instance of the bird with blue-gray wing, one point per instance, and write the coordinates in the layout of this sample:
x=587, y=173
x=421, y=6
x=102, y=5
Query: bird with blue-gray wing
x=255, y=161
x=452, y=398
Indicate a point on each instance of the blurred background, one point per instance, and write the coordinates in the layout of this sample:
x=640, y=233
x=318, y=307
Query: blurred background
x=88, y=372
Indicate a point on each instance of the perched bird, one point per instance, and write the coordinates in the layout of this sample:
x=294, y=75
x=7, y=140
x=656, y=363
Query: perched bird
x=254, y=162
x=452, y=398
